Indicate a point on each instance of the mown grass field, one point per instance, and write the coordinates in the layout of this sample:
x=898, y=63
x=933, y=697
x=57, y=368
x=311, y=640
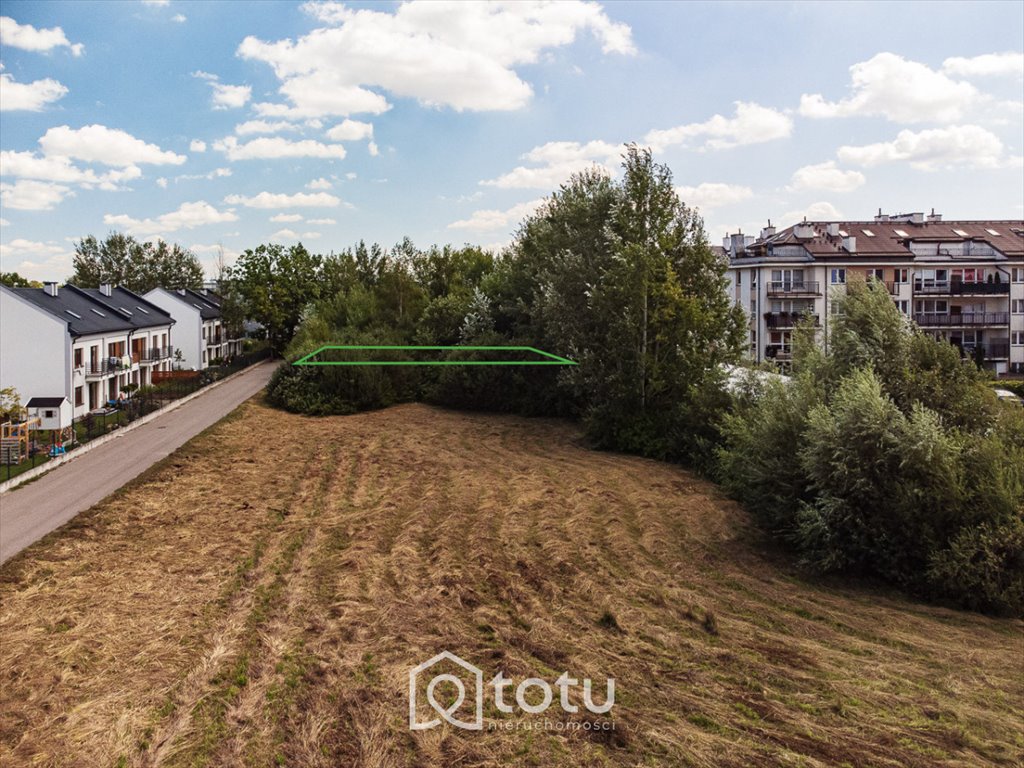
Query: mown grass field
x=259, y=598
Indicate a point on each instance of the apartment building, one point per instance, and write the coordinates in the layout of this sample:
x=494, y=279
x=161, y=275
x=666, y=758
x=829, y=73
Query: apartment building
x=82, y=344
x=200, y=334
x=961, y=281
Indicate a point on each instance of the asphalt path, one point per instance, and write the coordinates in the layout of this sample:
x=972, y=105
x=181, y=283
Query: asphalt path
x=30, y=512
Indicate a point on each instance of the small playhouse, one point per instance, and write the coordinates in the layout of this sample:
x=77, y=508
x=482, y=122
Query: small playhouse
x=56, y=416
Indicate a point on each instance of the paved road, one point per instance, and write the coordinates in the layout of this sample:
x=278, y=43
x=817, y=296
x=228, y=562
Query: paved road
x=32, y=511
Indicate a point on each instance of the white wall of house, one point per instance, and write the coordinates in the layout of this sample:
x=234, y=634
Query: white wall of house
x=35, y=350
x=188, y=326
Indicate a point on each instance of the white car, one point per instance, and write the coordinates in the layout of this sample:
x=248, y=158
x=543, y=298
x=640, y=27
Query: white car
x=1008, y=397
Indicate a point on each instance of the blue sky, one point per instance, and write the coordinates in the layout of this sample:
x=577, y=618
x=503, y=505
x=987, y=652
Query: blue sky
x=231, y=124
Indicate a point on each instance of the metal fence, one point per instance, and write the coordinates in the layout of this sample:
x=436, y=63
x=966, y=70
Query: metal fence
x=44, y=445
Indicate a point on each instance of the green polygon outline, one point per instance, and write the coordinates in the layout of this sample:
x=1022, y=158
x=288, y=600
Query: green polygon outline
x=554, y=359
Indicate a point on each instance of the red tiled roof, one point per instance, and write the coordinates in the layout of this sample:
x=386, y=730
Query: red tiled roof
x=888, y=242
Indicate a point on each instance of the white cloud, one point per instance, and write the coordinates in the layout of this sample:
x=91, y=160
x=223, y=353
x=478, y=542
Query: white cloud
x=35, y=260
x=350, y=130
x=29, y=165
x=320, y=183
x=490, y=220
x=752, y=124
x=263, y=126
x=959, y=145
x=216, y=173
x=28, y=38
x=230, y=96
x=197, y=146
x=373, y=149
x=272, y=200
x=1009, y=63
x=187, y=216
x=109, y=146
x=826, y=176
x=161, y=182
x=225, y=96
x=713, y=195
x=287, y=235
x=28, y=97
x=29, y=195
x=821, y=211
x=321, y=222
x=351, y=175
x=900, y=90
x=181, y=18
x=557, y=160
x=267, y=148
x=4, y=223
x=460, y=55
x=286, y=218
x=157, y=3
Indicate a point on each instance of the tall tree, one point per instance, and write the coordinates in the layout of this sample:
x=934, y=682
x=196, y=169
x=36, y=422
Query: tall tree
x=275, y=285
x=14, y=280
x=122, y=260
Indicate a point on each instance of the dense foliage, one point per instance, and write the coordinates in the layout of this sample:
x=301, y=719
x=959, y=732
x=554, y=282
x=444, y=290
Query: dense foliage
x=122, y=260
x=889, y=457
x=617, y=276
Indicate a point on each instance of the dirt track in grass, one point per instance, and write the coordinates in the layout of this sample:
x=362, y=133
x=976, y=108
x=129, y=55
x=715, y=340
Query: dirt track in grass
x=259, y=598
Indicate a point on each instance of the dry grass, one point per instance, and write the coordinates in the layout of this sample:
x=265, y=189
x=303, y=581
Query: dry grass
x=259, y=598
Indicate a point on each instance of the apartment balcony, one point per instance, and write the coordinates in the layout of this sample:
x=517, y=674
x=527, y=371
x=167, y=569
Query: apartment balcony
x=778, y=351
x=788, y=319
x=156, y=354
x=964, y=319
x=794, y=288
x=960, y=288
x=103, y=368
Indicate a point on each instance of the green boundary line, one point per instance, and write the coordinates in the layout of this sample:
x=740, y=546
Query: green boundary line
x=553, y=359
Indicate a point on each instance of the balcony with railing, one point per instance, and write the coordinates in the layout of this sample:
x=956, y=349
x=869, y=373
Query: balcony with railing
x=793, y=288
x=960, y=288
x=964, y=318
x=788, y=319
x=105, y=367
x=778, y=351
x=155, y=354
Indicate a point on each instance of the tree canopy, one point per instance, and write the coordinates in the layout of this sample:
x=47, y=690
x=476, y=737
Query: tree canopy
x=122, y=260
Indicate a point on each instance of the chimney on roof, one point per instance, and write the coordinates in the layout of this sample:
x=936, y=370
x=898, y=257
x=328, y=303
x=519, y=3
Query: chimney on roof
x=738, y=244
x=850, y=244
x=106, y=289
x=181, y=291
x=881, y=217
x=832, y=228
x=917, y=218
x=933, y=216
x=768, y=231
x=804, y=230
x=50, y=288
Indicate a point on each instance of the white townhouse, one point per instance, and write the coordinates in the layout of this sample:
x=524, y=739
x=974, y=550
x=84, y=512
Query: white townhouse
x=961, y=281
x=81, y=344
x=199, y=331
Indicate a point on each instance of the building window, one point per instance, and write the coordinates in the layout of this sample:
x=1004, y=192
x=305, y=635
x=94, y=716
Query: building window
x=753, y=307
x=753, y=278
x=904, y=306
x=78, y=358
x=838, y=276
x=78, y=396
x=1017, y=306
x=1017, y=338
x=1018, y=274
x=902, y=275
x=878, y=274
x=739, y=277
